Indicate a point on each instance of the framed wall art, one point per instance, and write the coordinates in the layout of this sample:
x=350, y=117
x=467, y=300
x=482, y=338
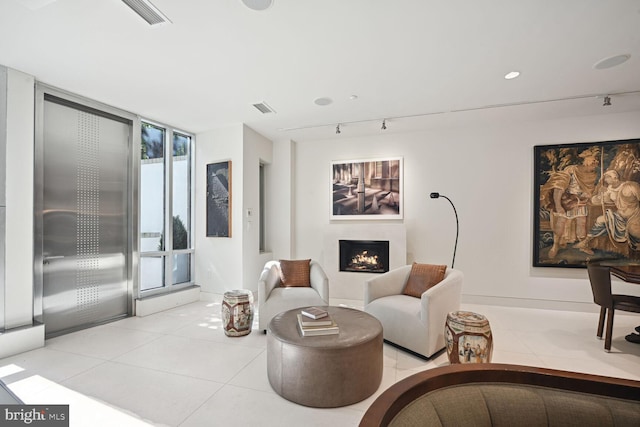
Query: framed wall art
x=366, y=189
x=586, y=203
x=219, y=199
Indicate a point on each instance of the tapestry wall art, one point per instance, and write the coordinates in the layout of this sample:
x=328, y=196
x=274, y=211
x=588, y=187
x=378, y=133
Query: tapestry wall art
x=586, y=203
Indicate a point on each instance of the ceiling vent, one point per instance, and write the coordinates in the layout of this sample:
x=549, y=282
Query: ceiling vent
x=264, y=108
x=147, y=11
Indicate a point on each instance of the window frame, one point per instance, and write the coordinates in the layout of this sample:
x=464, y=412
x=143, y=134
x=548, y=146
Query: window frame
x=168, y=252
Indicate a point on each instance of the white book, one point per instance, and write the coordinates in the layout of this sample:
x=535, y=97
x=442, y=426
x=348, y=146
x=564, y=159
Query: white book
x=308, y=331
x=314, y=312
x=309, y=322
x=312, y=333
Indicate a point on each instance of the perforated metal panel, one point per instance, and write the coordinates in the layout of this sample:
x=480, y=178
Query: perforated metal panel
x=84, y=271
x=88, y=211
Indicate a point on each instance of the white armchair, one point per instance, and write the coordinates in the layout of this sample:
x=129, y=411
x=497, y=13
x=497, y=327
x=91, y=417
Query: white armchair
x=273, y=299
x=416, y=324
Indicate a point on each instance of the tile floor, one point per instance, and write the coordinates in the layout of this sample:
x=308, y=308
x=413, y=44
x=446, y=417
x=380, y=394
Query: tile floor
x=177, y=368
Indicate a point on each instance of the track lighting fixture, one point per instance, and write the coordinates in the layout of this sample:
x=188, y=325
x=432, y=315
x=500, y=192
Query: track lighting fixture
x=397, y=119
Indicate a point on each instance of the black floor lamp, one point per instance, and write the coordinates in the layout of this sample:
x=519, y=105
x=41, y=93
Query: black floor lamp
x=437, y=195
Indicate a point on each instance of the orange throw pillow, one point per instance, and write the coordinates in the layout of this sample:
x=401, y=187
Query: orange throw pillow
x=423, y=277
x=295, y=273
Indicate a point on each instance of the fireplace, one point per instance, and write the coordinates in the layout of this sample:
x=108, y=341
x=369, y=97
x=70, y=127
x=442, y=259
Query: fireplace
x=364, y=256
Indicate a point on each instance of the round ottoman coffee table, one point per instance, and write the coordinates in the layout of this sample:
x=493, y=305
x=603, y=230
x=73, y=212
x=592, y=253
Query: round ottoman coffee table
x=329, y=370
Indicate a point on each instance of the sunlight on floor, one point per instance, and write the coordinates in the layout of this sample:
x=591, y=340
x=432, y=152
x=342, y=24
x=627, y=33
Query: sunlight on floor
x=83, y=411
x=11, y=369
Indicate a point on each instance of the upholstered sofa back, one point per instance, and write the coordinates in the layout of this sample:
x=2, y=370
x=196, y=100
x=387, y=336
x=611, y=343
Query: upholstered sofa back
x=506, y=395
x=501, y=404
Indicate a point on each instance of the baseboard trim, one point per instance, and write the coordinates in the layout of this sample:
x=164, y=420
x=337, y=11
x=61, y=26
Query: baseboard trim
x=586, y=307
x=158, y=303
x=19, y=340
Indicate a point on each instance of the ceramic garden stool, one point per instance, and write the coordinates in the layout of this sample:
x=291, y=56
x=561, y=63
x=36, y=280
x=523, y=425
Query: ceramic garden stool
x=468, y=336
x=237, y=313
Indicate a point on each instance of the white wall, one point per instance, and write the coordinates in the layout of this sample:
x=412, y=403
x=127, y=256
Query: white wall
x=21, y=334
x=279, y=203
x=257, y=149
x=223, y=264
x=19, y=238
x=218, y=260
x=488, y=174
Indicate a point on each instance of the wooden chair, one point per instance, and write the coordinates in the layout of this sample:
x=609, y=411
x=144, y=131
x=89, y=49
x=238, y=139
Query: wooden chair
x=600, y=278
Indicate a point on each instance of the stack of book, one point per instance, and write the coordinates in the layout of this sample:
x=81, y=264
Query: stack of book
x=315, y=321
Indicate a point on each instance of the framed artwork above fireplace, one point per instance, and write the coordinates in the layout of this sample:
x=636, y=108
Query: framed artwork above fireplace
x=366, y=189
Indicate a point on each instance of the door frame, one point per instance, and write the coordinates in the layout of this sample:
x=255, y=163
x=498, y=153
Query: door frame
x=43, y=91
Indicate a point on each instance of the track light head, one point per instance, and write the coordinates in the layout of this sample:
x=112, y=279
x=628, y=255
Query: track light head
x=384, y=124
x=338, y=129
x=607, y=101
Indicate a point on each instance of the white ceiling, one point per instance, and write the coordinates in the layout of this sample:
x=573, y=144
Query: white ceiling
x=415, y=62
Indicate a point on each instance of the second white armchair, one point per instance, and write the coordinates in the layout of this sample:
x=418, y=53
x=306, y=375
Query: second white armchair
x=416, y=324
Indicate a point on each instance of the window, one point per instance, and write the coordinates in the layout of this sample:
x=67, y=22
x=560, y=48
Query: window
x=166, y=246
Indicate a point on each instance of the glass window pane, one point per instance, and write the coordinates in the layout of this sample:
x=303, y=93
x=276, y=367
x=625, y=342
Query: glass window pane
x=152, y=142
x=151, y=272
x=160, y=201
x=152, y=189
x=181, y=191
x=181, y=268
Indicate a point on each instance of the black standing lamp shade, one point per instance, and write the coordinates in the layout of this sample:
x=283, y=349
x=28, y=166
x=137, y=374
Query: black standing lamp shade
x=436, y=196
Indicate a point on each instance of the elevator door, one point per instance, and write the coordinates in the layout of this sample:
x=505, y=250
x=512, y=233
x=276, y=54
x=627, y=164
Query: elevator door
x=85, y=157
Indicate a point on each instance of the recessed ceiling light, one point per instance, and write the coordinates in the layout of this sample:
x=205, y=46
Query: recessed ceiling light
x=257, y=4
x=512, y=75
x=353, y=97
x=611, y=62
x=323, y=101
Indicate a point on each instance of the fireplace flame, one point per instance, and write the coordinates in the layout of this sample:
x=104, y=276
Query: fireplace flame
x=364, y=261
x=364, y=256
